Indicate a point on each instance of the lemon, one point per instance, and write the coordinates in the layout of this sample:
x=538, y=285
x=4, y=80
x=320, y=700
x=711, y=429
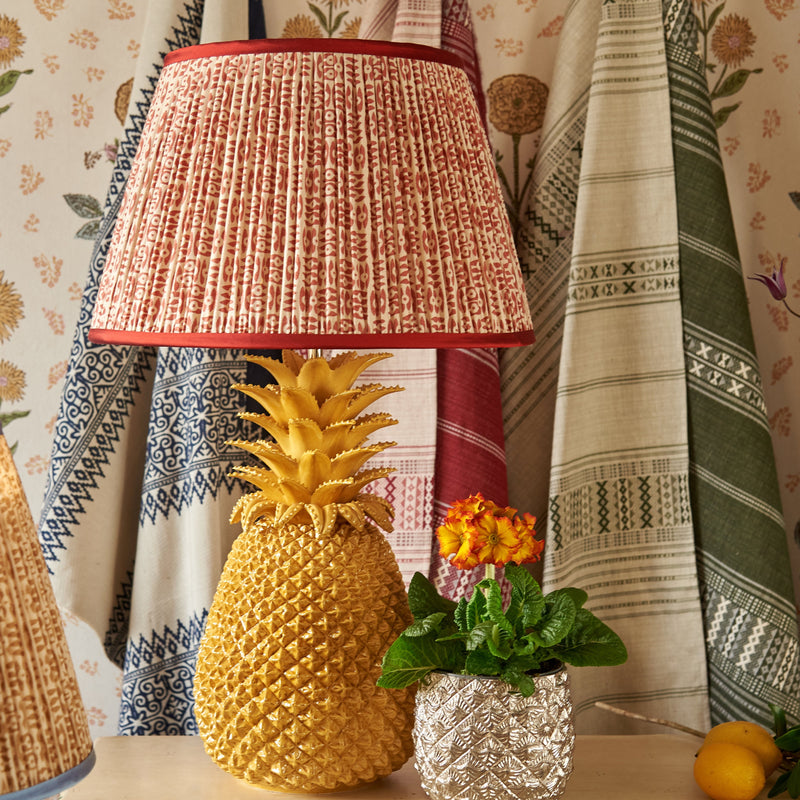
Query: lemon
x=726, y=771
x=751, y=736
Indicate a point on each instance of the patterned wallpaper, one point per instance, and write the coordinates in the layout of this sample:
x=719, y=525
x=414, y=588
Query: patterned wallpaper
x=65, y=74
x=752, y=52
x=66, y=68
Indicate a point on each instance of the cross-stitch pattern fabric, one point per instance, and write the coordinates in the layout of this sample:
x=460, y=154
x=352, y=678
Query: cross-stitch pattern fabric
x=742, y=557
x=638, y=303
x=470, y=450
x=619, y=521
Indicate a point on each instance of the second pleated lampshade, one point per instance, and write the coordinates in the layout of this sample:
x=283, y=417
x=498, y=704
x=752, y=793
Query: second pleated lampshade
x=45, y=744
x=296, y=192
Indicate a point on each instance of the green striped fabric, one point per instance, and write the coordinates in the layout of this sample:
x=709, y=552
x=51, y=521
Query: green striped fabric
x=636, y=422
x=742, y=555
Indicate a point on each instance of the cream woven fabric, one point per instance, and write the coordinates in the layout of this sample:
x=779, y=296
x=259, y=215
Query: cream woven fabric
x=619, y=518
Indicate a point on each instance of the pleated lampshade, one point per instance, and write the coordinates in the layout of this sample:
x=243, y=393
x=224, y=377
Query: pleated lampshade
x=324, y=193
x=45, y=745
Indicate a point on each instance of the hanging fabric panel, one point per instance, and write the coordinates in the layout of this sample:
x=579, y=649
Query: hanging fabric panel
x=619, y=521
x=742, y=555
x=134, y=523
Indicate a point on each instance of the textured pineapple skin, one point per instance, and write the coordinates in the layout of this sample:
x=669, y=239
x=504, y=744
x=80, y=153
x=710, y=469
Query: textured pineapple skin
x=285, y=693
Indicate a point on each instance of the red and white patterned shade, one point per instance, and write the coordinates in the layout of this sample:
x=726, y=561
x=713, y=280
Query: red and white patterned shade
x=293, y=193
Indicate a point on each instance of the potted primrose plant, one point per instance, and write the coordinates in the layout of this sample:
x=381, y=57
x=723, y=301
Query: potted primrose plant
x=493, y=716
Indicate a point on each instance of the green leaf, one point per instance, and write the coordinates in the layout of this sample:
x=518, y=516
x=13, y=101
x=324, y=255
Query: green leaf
x=714, y=14
x=84, y=205
x=477, y=636
x=734, y=82
x=476, y=609
x=499, y=641
x=780, y=785
x=579, y=597
x=557, y=620
x=407, y=661
x=591, y=643
x=482, y=662
x=778, y=719
x=524, y=663
x=424, y=600
x=494, y=605
x=5, y=108
x=527, y=600
x=793, y=784
x=10, y=416
x=9, y=79
x=460, y=615
x=789, y=740
x=422, y=627
x=519, y=679
x=721, y=114
x=526, y=646
x=89, y=230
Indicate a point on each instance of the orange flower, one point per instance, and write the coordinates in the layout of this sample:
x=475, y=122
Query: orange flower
x=530, y=549
x=478, y=531
x=499, y=542
x=457, y=538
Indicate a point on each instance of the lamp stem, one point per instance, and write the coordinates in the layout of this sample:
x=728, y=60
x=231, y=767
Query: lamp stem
x=314, y=352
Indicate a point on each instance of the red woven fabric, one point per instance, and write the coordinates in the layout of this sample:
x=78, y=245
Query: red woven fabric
x=470, y=446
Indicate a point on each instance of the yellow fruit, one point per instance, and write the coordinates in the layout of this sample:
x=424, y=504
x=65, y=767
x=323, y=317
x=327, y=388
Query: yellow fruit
x=726, y=771
x=751, y=736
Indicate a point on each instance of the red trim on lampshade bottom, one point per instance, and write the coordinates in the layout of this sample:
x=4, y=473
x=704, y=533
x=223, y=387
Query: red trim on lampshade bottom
x=419, y=52
x=277, y=341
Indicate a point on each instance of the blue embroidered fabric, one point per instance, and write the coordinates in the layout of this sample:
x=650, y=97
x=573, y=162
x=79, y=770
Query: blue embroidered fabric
x=183, y=399
x=157, y=692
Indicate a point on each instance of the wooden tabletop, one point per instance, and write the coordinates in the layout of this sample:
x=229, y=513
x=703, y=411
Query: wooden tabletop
x=656, y=767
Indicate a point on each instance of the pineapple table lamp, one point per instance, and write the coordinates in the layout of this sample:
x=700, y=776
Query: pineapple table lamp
x=310, y=194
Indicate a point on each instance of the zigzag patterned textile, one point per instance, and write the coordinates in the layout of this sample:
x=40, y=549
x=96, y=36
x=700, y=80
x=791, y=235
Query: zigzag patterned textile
x=609, y=374
x=134, y=522
x=743, y=562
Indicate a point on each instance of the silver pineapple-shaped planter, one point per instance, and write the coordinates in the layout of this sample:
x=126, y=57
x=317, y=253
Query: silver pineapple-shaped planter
x=476, y=738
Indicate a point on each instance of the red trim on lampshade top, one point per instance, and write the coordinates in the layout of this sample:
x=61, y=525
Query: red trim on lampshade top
x=419, y=52
x=279, y=341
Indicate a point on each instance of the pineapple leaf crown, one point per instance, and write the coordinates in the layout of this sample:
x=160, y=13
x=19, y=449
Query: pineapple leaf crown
x=314, y=463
